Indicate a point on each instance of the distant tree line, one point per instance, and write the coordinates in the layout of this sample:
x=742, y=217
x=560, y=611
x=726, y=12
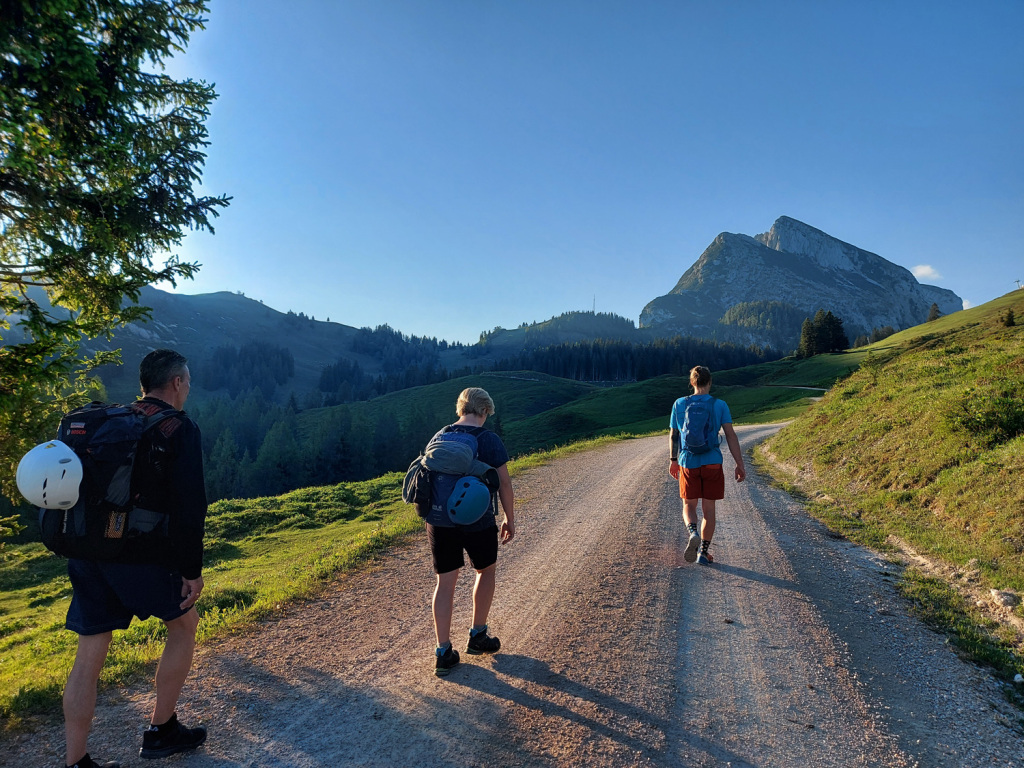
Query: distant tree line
x=612, y=360
x=594, y=324
x=254, y=448
x=765, y=315
x=254, y=364
x=822, y=334
x=877, y=334
x=406, y=361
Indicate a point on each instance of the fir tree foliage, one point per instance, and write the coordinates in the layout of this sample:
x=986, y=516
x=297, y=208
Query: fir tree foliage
x=100, y=152
x=822, y=334
x=620, y=361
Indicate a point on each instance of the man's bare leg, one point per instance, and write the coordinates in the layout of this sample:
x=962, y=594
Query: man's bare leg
x=80, y=693
x=483, y=594
x=444, y=601
x=175, y=663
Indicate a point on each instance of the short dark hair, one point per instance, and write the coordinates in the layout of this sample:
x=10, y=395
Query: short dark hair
x=158, y=368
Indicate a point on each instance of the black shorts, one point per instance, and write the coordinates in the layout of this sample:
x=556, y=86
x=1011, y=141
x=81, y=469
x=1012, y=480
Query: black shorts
x=447, y=544
x=107, y=595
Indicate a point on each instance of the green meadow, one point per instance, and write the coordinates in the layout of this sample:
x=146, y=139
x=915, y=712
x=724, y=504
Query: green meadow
x=918, y=436
x=924, y=443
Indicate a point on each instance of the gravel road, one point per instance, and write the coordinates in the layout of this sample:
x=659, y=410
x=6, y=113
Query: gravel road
x=792, y=650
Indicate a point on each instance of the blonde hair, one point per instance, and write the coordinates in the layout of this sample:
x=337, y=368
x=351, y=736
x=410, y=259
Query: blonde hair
x=700, y=376
x=474, y=400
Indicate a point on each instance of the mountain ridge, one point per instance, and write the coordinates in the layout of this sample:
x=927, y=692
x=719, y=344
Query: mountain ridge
x=745, y=290
x=801, y=267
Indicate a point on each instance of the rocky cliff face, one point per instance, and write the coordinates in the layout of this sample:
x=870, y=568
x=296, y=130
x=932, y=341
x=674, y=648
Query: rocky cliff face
x=758, y=289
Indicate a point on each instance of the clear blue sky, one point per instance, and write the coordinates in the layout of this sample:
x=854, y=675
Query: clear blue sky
x=448, y=166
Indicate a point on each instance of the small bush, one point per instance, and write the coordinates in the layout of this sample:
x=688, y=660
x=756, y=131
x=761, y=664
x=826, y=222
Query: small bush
x=991, y=417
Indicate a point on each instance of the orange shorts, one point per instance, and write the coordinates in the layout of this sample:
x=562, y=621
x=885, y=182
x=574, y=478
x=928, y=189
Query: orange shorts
x=707, y=482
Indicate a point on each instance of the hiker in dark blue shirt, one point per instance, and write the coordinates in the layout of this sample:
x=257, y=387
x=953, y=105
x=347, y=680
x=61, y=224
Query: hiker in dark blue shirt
x=162, y=580
x=479, y=540
x=696, y=459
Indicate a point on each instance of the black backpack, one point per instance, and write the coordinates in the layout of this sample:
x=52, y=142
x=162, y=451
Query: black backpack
x=105, y=523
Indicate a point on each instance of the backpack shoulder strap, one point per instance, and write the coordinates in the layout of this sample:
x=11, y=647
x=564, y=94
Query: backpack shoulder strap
x=153, y=415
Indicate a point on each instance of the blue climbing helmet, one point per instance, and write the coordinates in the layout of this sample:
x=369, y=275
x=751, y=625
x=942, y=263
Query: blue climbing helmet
x=469, y=501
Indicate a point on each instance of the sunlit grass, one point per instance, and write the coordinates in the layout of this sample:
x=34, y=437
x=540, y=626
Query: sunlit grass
x=925, y=442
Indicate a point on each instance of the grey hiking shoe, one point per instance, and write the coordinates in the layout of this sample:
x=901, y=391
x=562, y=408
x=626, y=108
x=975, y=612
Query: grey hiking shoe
x=482, y=643
x=692, y=546
x=444, y=663
x=169, y=738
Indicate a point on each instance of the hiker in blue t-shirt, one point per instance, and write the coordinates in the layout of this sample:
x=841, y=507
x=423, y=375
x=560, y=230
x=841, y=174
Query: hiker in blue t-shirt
x=696, y=459
x=479, y=540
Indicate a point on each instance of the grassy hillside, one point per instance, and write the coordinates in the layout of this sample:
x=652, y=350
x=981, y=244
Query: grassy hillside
x=643, y=408
x=517, y=395
x=536, y=411
x=925, y=442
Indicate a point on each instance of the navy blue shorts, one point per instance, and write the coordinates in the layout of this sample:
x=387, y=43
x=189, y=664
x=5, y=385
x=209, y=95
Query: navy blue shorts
x=447, y=544
x=107, y=595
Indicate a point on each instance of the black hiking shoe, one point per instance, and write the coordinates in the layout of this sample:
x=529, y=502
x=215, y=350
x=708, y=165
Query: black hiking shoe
x=482, y=643
x=169, y=738
x=88, y=762
x=692, y=545
x=446, y=661
x=705, y=558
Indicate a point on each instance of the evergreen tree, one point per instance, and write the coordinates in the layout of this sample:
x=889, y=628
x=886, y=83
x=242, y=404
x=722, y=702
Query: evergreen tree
x=877, y=334
x=820, y=325
x=808, y=340
x=933, y=313
x=837, y=340
x=278, y=467
x=100, y=153
x=388, y=453
x=331, y=460
x=222, y=468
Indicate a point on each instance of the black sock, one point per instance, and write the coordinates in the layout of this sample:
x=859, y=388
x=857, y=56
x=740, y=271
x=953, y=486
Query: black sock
x=82, y=763
x=704, y=544
x=692, y=527
x=164, y=726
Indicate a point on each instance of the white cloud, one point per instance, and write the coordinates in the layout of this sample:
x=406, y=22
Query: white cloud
x=925, y=272
x=967, y=304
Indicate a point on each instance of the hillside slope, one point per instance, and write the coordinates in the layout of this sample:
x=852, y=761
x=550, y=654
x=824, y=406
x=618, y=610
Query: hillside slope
x=925, y=442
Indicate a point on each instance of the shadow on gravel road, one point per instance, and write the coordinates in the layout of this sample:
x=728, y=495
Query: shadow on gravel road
x=560, y=698
x=746, y=573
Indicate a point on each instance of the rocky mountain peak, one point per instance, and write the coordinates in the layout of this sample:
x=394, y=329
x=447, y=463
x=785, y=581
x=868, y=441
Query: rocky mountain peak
x=757, y=290
x=794, y=236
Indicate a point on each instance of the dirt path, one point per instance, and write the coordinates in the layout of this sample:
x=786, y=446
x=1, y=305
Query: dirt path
x=792, y=650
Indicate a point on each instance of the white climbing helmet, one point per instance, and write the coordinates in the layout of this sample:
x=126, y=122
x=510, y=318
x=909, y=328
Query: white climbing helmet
x=49, y=476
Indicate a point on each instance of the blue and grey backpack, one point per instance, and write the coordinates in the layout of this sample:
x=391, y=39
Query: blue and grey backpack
x=442, y=484
x=697, y=420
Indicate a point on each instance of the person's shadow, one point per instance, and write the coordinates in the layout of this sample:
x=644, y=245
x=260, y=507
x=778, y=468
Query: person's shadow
x=512, y=675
